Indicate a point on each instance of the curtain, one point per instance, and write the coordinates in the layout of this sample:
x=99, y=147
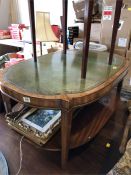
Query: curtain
x=14, y=15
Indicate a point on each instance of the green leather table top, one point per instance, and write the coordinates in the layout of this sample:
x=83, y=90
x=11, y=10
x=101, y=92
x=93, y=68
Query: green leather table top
x=57, y=73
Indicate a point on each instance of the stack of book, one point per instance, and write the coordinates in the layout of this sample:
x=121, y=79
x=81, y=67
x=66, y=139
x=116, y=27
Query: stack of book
x=4, y=34
x=73, y=33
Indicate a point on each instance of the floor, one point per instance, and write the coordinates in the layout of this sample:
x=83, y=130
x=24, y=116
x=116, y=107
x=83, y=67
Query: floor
x=91, y=159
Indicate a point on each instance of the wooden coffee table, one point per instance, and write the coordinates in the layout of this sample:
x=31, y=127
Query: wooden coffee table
x=55, y=82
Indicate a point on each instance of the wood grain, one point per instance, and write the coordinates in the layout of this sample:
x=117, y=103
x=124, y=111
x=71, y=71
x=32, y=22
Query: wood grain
x=87, y=28
x=115, y=28
x=64, y=24
x=92, y=158
x=32, y=23
x=66, y=101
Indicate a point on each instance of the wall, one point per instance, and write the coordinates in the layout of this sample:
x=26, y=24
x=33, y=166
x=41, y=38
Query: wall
x=4, y=14
x=52, y=6
x=23, y=7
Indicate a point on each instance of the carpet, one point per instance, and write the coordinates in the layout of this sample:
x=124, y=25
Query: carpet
x=123, y=167
x=3, y=165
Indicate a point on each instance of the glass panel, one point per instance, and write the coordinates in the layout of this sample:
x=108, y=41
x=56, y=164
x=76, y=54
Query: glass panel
x=57, y=73
x=41, y=117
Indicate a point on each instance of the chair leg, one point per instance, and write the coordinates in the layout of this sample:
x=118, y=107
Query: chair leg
x=125, y=135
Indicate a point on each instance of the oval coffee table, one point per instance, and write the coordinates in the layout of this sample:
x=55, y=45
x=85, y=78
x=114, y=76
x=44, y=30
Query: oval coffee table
x=55, y=82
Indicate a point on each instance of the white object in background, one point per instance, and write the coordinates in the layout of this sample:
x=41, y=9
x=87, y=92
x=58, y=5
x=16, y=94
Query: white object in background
x=130, y=81
x=27, y=51
x=121, y=22
x=122, y=42
x=107, y=13
x=26, y=35
x=92, y=47
x=26, y=99
x=3, y=165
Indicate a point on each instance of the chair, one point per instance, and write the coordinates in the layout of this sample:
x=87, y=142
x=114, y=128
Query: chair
x=126, y=130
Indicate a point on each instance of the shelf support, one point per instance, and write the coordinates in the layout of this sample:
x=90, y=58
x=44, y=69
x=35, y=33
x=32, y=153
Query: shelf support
x=119, y=87
x=64, y=25
x=7, y=103
x=41, y=53
x=32, y=24
x=87, y=29
x=66, y=120
x=115, y=28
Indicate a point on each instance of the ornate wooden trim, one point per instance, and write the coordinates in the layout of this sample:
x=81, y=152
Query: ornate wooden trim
x=66, y=101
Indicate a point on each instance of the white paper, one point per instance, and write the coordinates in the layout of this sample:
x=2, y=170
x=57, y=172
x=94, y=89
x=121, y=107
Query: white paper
x=108, y=10
x=106, y=17
x=121, y=22
x=26, y=99
x=130, y=81
x=122, y=42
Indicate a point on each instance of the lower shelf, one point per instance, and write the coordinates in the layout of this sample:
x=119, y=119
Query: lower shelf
x=89, y=121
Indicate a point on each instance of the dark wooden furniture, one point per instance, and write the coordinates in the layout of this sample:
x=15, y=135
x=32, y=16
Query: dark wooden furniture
x=126, y=130
x=1, y=103
x=92, y=158
x=65, y=81
x=53, y=84
x=10, y=45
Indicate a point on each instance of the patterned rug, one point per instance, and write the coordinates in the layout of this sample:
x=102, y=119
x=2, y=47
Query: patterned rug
x=3, y=165
x=123, y=167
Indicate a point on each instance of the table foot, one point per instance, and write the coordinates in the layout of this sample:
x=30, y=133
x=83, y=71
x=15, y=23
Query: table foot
x=65, y=135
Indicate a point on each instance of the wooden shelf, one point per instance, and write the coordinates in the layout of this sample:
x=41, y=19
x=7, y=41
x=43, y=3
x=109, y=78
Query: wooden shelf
x=89, y=121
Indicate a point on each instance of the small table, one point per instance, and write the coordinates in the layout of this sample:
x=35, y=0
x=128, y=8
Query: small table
x=12, y=42
x=10, y=45
x=55, y=82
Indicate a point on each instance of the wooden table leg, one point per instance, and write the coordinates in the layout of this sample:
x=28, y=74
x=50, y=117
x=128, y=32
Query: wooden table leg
x=7, y=103
x=1, y=103
x=119, y=87
x=122, y=147
x=66, y=121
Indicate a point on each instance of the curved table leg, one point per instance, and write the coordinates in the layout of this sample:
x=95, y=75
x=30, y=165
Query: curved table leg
x=7, y=103
x=66, y=121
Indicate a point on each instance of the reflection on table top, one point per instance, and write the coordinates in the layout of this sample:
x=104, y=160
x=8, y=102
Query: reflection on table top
x=57, y=73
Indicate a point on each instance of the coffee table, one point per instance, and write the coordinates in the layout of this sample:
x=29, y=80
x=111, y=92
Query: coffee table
x=55, y=82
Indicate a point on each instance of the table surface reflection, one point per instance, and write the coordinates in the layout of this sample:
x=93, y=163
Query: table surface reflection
x=57, y=73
